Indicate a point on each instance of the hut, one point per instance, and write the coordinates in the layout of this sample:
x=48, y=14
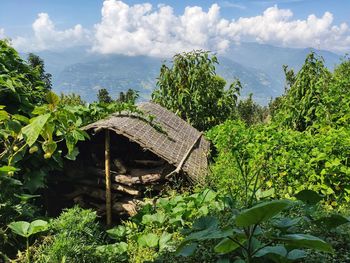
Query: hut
x=130, y=153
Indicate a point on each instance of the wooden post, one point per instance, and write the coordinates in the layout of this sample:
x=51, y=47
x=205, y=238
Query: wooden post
x=108, y=179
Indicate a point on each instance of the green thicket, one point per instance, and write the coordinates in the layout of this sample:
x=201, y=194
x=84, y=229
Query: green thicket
x=278, y=187
x=192, y=90
x=37, y=130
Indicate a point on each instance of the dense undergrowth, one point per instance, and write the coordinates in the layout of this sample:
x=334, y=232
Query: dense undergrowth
x=278, y=188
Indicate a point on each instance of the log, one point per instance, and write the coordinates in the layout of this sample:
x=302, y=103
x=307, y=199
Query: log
x=124, y=207
x=149, y=163
x=119, y=166
x=98, y=194
x=115, y=186
x=126, y=189
x=140, y=172
x=128, y=207
x=74, y=194
x=132, y=180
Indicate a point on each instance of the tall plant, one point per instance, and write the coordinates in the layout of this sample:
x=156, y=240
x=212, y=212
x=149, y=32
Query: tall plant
x=191, y=88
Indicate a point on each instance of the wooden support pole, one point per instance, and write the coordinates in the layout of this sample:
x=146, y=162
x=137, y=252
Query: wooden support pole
x=108, y=179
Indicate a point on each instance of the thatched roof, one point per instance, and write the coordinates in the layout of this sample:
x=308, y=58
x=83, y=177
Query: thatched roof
x=172, y=142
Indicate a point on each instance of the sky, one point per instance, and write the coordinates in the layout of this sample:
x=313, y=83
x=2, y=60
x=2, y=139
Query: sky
x=163, y=28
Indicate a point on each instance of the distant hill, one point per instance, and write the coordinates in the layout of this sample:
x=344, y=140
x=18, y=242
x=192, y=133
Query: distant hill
x=259, y=67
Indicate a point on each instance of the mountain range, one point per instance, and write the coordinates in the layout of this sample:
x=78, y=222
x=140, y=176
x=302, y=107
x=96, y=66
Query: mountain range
x=257, y=66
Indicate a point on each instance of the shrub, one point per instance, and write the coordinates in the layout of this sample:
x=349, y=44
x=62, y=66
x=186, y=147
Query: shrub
x=75, y=235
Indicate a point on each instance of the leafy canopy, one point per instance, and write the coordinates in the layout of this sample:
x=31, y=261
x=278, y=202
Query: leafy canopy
x=191, y=89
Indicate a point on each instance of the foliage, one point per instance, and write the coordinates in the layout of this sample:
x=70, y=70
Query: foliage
x=38, y=65
x=26, y=229
x=303, y=101
x=71, y=99
x=155, y=231
x=128, y=97
x=250, y=112
x=103, y=96
x=316, y=97
x=286, y=161
x=302, y=154
x=20, y=84
x=191, y=89
x=74, y=237
x=258, y=234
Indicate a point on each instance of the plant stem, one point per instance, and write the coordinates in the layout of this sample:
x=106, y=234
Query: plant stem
x=27, y=252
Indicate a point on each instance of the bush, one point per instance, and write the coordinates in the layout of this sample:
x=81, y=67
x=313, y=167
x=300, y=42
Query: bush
x=75, y=236
x=287, y=161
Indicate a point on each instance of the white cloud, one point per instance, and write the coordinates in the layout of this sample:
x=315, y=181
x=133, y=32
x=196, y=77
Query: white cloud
x=141, y=29
x=47, y=37
x=276, y=26
x=2, y=33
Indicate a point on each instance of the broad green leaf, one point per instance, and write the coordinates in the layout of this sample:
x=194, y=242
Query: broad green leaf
x=20, y=118
x=157, y=217
x=277, y=250
x=78, y=135
x=20, y=228
x=309, y=197
x=210, y=233
x=286, y=222
x=205, y=223
x=73, y=154
x=3, y=115
x=26, y=197
x=296, y=254
x=33, y=130
x=306, y=241
x=226, y=246
x=223, y=260
x=39, y=110
x=264, y=194
x=186, y=249
x=117, y=232
x=331, y=221
x=208, y=195
x=118, y=248
x=261, y=212
x=148, y=240
x=49, y=147
x=52, y=98
x=37, y=226
x=34, y=180
x=6, y=169
x=164, y=240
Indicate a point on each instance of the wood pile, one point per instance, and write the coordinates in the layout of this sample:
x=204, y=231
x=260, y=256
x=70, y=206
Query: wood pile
x=129, y=183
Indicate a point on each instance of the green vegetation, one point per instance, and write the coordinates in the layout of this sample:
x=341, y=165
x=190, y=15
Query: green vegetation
x=278, y=189
x=192, y=90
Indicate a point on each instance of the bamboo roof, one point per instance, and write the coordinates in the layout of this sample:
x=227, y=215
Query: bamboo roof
x=167, y=136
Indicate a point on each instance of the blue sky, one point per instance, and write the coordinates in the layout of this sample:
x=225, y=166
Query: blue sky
x=67, y=23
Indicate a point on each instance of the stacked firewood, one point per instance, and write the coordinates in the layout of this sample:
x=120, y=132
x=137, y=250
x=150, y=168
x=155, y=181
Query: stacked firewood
x=129, y=184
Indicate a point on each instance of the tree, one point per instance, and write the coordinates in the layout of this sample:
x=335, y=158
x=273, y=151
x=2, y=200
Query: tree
x=38, y=64
x=191, y=89
x=20, y=84
x=129, y=97
x=103, y=96
x=303, y=102
x=71, y=99
x=251, y=112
